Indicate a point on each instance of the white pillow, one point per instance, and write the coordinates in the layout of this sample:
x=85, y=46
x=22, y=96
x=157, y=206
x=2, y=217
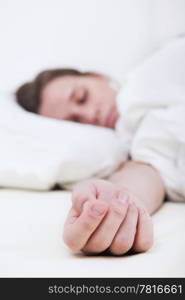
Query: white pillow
x=38, y=152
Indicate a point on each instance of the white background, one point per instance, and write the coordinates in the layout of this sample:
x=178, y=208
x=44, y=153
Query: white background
x=110, y=36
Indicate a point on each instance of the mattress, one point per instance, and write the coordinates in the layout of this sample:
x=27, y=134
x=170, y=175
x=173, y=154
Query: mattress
x=31, y=243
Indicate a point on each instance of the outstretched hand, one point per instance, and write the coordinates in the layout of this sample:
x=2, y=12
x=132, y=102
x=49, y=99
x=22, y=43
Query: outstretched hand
x=103, y=217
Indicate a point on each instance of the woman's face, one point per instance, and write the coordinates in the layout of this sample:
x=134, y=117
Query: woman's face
x=83, y=99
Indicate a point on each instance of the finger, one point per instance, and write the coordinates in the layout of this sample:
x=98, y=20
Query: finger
x=104, y=234
x=144, y=236
x=105, y=190
x=77, y=232
x=83, y=192
x=71, y=217
x=124, y=238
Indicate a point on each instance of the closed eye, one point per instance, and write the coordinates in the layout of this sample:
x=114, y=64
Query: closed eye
x=83, y=99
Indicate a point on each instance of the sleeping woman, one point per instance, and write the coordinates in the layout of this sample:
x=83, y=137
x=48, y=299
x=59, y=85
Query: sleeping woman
x=114, y=214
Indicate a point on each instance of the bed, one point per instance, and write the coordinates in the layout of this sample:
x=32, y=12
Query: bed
x=31, y=241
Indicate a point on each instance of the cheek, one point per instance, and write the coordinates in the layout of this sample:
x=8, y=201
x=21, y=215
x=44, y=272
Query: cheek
x=50, y=110
x=54, y=112
x=99, y=97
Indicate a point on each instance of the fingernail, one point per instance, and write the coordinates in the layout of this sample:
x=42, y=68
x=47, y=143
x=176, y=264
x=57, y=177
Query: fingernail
x=124, y=199
x=98, y=209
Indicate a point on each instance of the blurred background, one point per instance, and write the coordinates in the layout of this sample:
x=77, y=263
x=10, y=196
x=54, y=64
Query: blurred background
x=109, y=36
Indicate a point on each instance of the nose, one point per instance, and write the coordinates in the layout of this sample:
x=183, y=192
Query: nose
x=87, y=115
x=92, y=116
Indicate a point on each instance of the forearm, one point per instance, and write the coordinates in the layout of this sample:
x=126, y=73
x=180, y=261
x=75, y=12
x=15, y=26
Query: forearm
x=143, y=181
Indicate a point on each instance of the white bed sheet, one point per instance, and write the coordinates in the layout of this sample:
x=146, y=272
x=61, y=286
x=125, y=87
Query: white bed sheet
x=31, y=241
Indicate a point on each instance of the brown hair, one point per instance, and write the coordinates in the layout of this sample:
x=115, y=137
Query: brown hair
x=28, y=94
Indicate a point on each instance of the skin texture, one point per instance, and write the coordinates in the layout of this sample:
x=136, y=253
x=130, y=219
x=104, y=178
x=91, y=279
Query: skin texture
x=83, y=99
x=112, y=214
x=115, y=214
